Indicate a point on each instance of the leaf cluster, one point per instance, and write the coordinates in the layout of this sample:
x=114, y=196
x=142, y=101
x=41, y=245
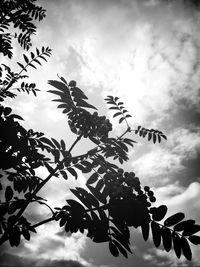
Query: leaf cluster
x=118, y=106
x=151, y=134
x=19, y=14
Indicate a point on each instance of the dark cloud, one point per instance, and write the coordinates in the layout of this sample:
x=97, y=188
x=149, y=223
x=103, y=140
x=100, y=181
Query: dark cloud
x=10, y=260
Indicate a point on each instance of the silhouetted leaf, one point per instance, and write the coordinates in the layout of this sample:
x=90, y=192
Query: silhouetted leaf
x=64, y=175
x=82, y=195
x=63, y=79
x=113, y=249
x=93, y=178
x=49, y=168
x=149, y=136
x=145, y=230
x=186, y=249
x=62, y=144
x=194, y=228
x=121, y=237
x=14, y=236
x=176, y=244
x=174, y=219
x=121, y=120
x=59, y=85
x=184, y=225
x=166, y=238
x=26, y=58
x=30, y=64
x=117, y=114
x=120, y=248
x=21, y=65
x=73, y=172
x=8, y=193
x=195, y=239
x=47, y=141
x=159, y=213
x=156, y=233
x=97, y=194
x=100, y=184
x=56, y=143
x=154, y=138
x=128, y=116
x=26, y=234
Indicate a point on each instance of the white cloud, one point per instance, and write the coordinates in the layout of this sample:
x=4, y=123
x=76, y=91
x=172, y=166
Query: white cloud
x=178, y=198
x=47, y=245
x=182, y=145
x=159, y=257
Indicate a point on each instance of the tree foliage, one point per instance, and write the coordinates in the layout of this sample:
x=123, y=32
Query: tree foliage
x=114, y=202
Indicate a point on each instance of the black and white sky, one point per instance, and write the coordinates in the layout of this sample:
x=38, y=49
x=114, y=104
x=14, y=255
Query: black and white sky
x=147, y=52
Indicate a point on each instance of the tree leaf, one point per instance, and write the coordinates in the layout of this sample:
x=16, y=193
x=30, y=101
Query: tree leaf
x=184, y=225
x=113, y=249
x=26, y=234
x=186, y=248
x=174, y=219
x=176, y=244
x=156, y=233
x=145, y=231
x=100, y=184
x=149, y=136
x=64, y=175
x=73, y=172
x=8, y=193
x=121, y=119
x=21, y=65
x=14, y=236
x=47, y=141
x=62, y=144
x=114, y=108
x=83, y=103
x=159, y=213
x=194, y=239
x=15, y=116
x=32, y=55
x=191, y=230
x=154, y=138
x=56, y=143
x=49, y=168
x=117, y=114
x=26, y=58
x=128, y=116
x=82, y=195
x=166, y=238
x=120, y=248
x=93, y=178
x=30, y=64
x=97, y=194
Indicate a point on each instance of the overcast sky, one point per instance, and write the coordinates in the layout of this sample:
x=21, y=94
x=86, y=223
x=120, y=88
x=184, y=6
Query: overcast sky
x=147, y=52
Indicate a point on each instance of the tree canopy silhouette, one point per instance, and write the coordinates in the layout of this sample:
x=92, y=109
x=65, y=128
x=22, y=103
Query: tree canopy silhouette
x=115, y=202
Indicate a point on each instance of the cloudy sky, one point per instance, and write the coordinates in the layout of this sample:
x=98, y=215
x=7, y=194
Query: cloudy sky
x=147, y=52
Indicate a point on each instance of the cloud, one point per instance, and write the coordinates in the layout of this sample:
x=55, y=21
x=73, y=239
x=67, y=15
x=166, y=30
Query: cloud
x=159, y=257
x=162, y=164
x=138, y=57
x=10, y=260
x=46, y=247
x=179, y=198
